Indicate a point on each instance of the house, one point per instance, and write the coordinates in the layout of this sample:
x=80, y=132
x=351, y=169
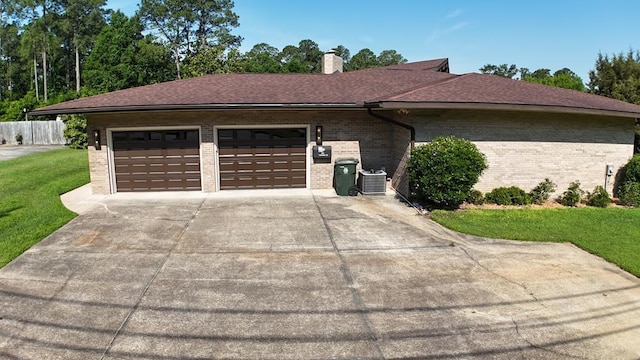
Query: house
x=251, y=131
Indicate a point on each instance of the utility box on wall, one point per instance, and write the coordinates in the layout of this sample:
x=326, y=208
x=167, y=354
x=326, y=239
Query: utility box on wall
x=322, y=153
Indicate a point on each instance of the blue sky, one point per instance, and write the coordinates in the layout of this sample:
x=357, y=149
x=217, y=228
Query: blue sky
x=471, y=33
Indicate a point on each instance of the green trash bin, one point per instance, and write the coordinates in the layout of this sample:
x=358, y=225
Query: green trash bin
x=344, y=175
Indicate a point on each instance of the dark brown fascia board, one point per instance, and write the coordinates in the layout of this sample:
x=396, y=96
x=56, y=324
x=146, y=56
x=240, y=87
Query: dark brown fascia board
x=141, y=108
x=394, y=105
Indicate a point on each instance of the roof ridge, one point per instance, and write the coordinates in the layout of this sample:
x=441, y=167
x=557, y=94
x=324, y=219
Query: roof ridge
x=436, y=83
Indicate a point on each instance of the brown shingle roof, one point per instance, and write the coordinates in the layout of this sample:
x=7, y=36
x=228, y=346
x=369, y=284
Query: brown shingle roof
x=228, y=90
x=475, y=90
x=420, y=84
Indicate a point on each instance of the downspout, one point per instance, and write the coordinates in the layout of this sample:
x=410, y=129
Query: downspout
x=394, y=122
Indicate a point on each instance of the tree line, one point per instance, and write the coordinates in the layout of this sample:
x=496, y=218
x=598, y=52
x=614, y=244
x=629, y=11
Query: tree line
x=57, y=50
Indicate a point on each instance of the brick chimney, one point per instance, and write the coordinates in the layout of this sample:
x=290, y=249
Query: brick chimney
x=331, y=63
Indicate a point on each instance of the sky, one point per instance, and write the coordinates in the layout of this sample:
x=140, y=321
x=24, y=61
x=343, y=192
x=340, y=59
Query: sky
x=471, y=33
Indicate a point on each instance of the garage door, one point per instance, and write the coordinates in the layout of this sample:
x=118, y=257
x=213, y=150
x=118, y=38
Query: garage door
x=157, y=160
x=262, y=158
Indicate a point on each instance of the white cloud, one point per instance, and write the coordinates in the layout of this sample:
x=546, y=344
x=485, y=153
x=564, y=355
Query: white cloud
x=454, y=14
x=438, y=33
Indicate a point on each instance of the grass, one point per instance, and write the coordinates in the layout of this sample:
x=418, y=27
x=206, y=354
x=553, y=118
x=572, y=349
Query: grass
x=611, y=233
x=30, y=188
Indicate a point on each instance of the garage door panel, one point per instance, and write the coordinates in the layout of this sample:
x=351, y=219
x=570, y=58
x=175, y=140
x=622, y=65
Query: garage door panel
x=157, y=160
x=260, y=182
x=262, y=158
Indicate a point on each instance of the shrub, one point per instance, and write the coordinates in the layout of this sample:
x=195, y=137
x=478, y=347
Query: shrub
x=475, y=197
x=542, y=191
x=629, y=194
x=442, y=172
x=631, y=171
x=573, y=195
x=599, y=197
x=508, y=196
x=75, y=132
x=628, y=189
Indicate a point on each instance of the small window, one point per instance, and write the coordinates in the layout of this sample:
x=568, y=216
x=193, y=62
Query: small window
x=137, y=136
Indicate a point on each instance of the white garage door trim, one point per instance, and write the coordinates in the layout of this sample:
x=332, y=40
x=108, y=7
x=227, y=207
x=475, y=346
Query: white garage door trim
x=216, y=154
x=110, y=155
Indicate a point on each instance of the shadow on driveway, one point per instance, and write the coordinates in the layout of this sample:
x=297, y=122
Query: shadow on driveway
x=302, y=277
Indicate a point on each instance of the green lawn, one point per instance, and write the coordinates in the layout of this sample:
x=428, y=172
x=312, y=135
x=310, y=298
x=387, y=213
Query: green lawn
x=30, y=188
x=612, y=233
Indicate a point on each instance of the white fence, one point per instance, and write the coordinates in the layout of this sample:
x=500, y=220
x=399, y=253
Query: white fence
x=33, y=132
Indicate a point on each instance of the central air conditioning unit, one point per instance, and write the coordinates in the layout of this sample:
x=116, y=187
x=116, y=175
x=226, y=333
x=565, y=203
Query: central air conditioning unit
x=372, y=182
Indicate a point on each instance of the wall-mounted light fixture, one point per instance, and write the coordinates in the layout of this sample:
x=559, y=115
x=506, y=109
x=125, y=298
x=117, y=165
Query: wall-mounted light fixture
x=318, y=135
x=96, y=139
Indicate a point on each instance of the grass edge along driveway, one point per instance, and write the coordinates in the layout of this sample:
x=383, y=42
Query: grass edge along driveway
x=611, y=233
x=30, y=188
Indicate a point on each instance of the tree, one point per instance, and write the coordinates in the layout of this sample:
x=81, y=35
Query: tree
x=187, y=26
x=541, y=74
x=12, y=79
x=363, y=59
x=123, y=57
x=304, y=58
x=390, y=57
x=262, y=58
x=41, y=14
x=213, y=60
x=563, y=78
x=82, y=21
x=618, y=77
x=504, y=70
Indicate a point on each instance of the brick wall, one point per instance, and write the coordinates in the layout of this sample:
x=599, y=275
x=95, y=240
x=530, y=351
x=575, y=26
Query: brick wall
x=523, y=148
x=350, y=133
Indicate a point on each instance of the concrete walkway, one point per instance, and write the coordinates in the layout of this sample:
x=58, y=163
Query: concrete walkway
x=8, y=152
x=308, y=275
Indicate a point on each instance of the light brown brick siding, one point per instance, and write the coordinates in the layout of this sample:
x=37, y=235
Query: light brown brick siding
x=521, y=148
x=350, y=133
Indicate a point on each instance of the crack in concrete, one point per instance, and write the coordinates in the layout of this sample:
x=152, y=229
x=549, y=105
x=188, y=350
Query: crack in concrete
x=346, y=274
x=513, y=320
x=477, y=262
x=538, y=347
x=150, y=282
x=108, y=210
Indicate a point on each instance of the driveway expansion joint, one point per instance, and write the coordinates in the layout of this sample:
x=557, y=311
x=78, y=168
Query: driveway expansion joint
x=151, y=281
x=346, y=274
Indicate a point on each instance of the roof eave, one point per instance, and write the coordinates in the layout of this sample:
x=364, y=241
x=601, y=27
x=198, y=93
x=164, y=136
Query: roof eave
x=182, y=107
x=392, y=105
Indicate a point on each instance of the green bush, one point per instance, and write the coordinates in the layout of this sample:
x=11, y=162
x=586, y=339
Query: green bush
x=475, y=197
x=76, y=131
x=628, y=188
x=542, y=191
x=573, y=195
x=442, y=172
x=508, y=196
x=599, y=197
x=631, y=171
x=629, y=194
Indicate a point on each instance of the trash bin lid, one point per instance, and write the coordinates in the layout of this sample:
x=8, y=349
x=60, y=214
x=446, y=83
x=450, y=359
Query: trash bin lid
x=347, y=161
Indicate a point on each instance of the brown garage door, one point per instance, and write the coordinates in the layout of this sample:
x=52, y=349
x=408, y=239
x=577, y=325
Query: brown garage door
x=157, y=160
x=262, y=158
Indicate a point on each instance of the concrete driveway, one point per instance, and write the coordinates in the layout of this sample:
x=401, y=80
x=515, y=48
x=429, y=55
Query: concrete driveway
x=8, y=152
x=304, y=276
